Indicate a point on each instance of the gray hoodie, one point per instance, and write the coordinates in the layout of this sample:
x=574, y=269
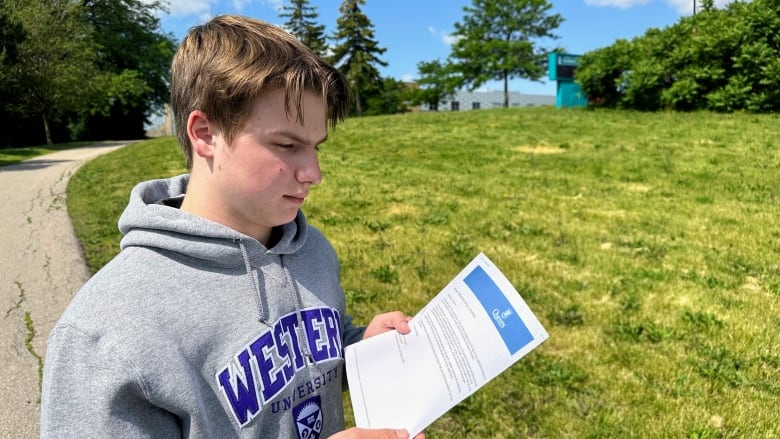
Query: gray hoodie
x=197, y=330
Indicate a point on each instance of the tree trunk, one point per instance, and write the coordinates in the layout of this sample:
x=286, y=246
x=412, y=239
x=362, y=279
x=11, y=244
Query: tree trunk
x=46, y=128
x=506, y=90
x=358, y=107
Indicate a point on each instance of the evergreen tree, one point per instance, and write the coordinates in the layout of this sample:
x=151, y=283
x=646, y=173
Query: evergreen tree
x=703, y=6
x=356, y=52
x=301, y=22
x=497, y=41
x=707, y=5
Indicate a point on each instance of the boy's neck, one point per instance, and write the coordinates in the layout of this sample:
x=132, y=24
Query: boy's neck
x=198, y=201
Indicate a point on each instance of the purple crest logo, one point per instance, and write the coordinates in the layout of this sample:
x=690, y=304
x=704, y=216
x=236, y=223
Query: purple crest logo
x=308, y=418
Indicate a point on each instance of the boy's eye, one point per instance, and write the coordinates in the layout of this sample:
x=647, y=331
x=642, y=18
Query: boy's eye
x=293, y=146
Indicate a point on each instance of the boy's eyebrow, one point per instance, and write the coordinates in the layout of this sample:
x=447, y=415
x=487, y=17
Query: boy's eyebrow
x=297, y=138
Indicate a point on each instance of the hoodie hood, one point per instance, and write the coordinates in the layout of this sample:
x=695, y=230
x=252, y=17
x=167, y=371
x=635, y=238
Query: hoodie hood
x=152, y=219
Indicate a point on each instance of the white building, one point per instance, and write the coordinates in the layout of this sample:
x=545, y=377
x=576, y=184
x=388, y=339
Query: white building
x=480, y=100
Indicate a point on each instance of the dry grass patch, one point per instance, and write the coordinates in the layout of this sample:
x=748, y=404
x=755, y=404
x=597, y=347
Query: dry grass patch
x=539, y=149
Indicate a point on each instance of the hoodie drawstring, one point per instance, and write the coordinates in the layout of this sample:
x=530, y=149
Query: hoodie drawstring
x=254, y=282
x=300, y=330
x=299, y=305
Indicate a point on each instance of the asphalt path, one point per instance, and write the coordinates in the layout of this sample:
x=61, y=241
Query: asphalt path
x=42, y=267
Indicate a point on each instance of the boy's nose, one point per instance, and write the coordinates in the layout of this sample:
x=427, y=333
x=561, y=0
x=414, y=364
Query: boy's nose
x=310, y=171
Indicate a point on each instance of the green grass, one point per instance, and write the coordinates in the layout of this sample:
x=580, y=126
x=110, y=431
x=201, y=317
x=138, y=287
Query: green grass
x=646, y=244
x=99, y=191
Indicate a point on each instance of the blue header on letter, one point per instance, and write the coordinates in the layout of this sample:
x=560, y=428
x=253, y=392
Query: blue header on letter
x=504, y=317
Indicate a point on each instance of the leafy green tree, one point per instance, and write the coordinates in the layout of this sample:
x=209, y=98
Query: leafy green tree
x=437, y=82
x=97, y=67
x=134, y=58
x=56, y=61
x=723, y=60
x=356, y=52
x=648, y=77
x=602, y=73
x=498, y=39
x=696, y=58
x=11, y=36
x=392, y=97
x=301, y=22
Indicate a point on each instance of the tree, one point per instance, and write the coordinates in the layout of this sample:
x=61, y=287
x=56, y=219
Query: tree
x=56, y=61
x=134, y=57
x=722, y=60
x=11, y=36
x=301, y=22
x=391, y=98
x=437, y=81
x=602, y=72
x=96, y=67
x=356, y=53
x=707, y=5
x=497, y=40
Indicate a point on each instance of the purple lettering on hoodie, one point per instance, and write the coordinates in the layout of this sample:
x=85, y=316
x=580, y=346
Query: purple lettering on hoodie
x=277, y=356
x=243, y=397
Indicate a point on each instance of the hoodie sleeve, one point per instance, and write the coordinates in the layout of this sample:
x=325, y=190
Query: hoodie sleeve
x=349, y=332
x=89, y=392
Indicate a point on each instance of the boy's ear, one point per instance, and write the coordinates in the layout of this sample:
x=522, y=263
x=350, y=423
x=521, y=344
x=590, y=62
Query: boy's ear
x=201, y=132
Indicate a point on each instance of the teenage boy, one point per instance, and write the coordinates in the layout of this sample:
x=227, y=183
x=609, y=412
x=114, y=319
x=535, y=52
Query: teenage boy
x=223, y=314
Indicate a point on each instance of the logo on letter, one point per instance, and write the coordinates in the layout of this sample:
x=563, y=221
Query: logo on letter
x=498, y=317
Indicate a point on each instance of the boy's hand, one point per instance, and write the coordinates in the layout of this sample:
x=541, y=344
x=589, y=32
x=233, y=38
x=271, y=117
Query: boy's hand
x=362, y=433
x=387, y=321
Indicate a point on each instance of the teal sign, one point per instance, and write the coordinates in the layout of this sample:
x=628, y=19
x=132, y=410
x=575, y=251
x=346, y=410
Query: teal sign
x=561, y=68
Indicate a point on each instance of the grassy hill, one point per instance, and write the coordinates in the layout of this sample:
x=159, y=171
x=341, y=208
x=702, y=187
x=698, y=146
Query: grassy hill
x=645, y=242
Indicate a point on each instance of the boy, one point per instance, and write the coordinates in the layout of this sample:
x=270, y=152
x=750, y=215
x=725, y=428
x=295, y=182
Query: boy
x=223, y=314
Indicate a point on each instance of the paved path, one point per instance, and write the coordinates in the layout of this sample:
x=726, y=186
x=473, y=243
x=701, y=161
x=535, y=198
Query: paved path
x=42, y=267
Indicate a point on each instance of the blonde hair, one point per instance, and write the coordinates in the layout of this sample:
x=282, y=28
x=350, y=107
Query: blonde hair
x=222, y=66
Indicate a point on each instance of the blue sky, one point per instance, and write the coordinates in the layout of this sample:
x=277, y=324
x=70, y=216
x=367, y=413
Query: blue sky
x=419, y=30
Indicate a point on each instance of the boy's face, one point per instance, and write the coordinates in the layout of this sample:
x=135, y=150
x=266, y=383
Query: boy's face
x=264, y=176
